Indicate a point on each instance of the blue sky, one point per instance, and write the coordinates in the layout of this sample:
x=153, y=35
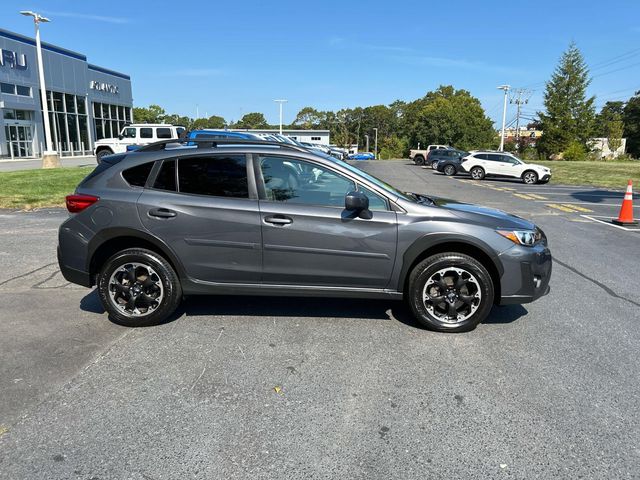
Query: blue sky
x=231, y=58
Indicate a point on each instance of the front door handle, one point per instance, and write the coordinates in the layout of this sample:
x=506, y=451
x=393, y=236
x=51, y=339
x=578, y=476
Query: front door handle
x=162, y=213
x=278, y=220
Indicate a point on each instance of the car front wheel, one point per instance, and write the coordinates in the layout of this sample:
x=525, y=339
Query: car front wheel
x=477, y=173
x=530, y=177
x=449, y=170
x=138, y=288
x=450, y=292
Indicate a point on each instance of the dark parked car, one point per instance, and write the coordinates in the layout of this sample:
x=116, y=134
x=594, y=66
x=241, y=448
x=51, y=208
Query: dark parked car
x=434, y=156
x=235, y=217
x=449, y=161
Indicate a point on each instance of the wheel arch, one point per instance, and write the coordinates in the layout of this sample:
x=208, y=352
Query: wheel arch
x=111, y=241
x=426, y=247
x=530, y=170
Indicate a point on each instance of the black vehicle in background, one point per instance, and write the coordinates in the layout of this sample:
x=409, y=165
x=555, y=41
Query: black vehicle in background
x=447, y=161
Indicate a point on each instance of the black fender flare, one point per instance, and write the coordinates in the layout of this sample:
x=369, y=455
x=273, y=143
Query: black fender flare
x=438, y=240
x=114, y=233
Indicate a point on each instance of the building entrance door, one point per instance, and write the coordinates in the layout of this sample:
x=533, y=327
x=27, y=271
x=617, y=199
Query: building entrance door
x=19, y=140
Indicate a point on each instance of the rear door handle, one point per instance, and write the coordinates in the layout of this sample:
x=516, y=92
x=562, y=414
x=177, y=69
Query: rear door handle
x=162, y=213
x=278, y=220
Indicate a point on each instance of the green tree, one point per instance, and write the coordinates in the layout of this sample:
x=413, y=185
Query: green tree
x=213, y=121
x=448, y=116
x=569, y=115
x=615, y=130
x=609, y=112
x=631, y=119
x=252, y=120
x=308, y=118
x=151, y=114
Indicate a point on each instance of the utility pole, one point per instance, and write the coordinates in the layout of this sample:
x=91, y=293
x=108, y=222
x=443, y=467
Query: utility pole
x=376, y=143
x=280, y=102
x=520, y=97
x=504, y=113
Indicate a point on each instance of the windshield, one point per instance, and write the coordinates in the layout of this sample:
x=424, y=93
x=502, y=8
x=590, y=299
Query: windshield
x=376, y=181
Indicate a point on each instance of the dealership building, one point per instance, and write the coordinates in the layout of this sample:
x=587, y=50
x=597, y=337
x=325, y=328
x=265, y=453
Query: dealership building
x=86, y=102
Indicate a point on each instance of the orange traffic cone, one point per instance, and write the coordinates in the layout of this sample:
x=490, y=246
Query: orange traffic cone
x=626, y=210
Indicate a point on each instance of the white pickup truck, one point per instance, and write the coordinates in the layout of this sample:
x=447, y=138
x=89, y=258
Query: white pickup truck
x=136, y=134
x=419, y=157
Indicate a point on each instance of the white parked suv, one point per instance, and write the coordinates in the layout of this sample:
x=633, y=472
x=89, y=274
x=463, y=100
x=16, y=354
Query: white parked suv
x=136, y=134
x=500, y=164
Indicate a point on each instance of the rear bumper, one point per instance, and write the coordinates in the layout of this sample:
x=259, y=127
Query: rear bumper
x=527, y=271
x=73, y=275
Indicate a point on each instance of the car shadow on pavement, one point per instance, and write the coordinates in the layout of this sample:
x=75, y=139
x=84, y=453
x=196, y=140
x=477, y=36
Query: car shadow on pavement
x=598, y=196
x=505, y=314
x=256, y=306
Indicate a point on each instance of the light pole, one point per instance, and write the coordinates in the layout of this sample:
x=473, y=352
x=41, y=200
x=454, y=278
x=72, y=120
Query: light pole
x=376, y=144
x=280, y=102
x=504, y=113
x=50, y=157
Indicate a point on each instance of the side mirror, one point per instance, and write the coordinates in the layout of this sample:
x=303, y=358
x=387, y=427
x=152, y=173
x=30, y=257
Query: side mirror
x=358, y=203
x=120, y=137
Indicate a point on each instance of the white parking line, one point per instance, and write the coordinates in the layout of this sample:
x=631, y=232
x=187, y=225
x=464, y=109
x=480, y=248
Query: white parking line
x=593, y=217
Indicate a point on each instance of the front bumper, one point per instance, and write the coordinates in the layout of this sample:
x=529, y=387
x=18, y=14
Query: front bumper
x=545, y=178
x=527, y=271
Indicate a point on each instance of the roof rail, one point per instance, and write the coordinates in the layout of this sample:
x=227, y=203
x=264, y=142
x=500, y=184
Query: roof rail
x=214, y=142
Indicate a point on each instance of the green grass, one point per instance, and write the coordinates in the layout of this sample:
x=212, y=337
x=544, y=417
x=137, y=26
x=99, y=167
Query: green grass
x=29, y=189
x=601, y=174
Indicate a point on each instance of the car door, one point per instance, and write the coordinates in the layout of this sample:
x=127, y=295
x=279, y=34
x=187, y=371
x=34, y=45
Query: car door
x=501, y=165
x=202, y=208
x=308, y=236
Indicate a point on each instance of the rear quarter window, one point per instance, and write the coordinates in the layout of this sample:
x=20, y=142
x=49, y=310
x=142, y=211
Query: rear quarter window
x=137, y=176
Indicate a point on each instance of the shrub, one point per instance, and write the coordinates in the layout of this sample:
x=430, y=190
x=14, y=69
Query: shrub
x=575, y=152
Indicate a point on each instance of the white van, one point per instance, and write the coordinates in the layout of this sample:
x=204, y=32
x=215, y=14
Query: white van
x=136, y=134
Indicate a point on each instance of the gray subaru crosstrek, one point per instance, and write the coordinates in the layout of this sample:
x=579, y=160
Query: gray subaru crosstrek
x=262, y=218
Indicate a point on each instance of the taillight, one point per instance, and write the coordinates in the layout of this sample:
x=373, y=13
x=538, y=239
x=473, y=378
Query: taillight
x=77, y=203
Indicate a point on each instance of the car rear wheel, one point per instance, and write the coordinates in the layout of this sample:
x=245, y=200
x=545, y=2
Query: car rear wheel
x=530, y=177
x=449, y=170
x=138, y=288
x=477, y=173
x=418, y=160
x=450, y=292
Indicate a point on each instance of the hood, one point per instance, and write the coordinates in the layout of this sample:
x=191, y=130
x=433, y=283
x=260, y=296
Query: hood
x=489, y=217
x=541, y=167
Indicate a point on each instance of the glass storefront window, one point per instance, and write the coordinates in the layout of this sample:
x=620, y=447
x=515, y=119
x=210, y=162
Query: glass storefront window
x=80, y=102
x=97, y=110
x=70, y=103
x=57, y=102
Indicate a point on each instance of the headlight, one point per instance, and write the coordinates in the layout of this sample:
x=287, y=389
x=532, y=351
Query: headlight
x=527, y=238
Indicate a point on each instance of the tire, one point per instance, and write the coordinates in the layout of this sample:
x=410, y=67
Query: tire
x=418, y=160
x=449, y=170
x=164, y=284
x=474, y=299
x=530, y=177
x=434, y=164
x=103, y=153
x=477, y=173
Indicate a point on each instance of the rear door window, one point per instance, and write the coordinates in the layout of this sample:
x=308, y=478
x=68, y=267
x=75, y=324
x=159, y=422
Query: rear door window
x=146, y=132
x=215, y=175
x=166, y=178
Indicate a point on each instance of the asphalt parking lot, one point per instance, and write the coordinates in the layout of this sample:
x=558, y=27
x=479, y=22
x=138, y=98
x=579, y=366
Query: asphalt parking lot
x=297, y=388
